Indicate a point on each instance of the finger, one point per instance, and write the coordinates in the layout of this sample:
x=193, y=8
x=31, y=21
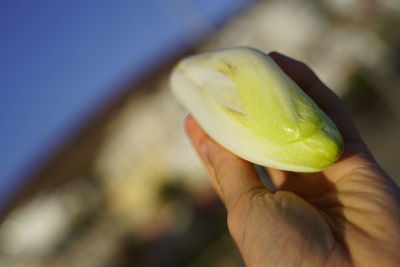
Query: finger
x=197, y=136
x=320, y=93
x=234, y=178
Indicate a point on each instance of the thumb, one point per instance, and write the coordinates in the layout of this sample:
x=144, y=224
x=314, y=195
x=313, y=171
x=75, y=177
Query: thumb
x=234, y=179
x=237, y=179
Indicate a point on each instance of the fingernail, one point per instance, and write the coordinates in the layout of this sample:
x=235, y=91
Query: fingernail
x=204, y=149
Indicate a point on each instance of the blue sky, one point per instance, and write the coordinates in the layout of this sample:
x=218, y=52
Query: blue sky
x=60, y=61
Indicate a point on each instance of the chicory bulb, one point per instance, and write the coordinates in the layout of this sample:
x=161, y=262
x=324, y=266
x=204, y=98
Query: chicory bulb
x=247, y=104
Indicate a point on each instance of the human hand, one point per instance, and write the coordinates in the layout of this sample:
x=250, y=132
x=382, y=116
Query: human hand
x=346, y=215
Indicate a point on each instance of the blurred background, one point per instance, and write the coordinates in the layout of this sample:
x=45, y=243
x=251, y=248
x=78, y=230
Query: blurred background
x=95, y=169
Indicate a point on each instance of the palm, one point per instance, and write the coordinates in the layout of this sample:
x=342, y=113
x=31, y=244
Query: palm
x=328, y=223
x=293, y=230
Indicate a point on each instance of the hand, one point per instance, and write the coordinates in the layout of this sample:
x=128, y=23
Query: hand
x=346, y=215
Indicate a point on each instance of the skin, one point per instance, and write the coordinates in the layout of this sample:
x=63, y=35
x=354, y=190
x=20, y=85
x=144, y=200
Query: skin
x=346, y=215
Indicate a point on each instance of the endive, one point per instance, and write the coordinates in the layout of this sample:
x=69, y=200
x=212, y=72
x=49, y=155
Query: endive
x=247, y=104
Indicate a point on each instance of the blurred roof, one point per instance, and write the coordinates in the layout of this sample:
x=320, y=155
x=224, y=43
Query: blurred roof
x=62, y=61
